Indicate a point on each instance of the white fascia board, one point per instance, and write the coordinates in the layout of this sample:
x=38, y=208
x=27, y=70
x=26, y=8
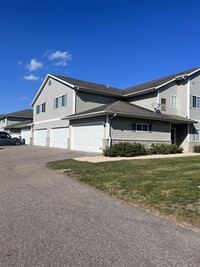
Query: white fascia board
x=193, y=72
x=60, y=80
x=40, y=89
x=44, y=82
x=138, y=92
x=83, y=115
x=165, y=83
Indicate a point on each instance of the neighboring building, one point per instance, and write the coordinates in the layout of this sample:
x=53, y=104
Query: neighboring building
x=18, y=124
x=79, y=115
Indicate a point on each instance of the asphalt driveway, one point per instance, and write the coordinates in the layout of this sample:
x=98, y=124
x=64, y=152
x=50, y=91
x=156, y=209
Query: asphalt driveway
x=49, y=219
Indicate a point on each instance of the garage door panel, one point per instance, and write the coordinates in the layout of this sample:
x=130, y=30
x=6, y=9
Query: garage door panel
x=59, y=137
x=26, y=134
x=40, y=137
x=87, y=138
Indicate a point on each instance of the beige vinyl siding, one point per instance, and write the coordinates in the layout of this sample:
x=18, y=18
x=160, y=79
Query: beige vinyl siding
x=195, y=90
x=182, y=98
x=144, y=101
x=121, y=128
x=86, y=101
x=166, y=92
x=47, y=95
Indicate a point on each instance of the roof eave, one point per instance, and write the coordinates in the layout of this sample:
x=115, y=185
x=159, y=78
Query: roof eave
x=43, y=84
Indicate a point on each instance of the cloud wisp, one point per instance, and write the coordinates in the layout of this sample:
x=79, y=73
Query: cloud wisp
x=34, y=65
x=31, y=77
x=60, y=58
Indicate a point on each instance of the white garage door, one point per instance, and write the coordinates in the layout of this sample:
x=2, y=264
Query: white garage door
x=26, y=134
x=87, y=138
x=58, y=137
x=40, y=137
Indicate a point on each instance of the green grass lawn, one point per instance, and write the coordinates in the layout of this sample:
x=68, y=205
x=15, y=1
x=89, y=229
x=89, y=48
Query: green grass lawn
x=165, y=186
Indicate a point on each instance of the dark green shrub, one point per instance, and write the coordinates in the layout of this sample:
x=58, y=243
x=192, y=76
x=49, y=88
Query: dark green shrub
x=164, y=149
x=125, y=149
x=196, y=149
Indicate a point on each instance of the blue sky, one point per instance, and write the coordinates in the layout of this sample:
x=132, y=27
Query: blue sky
x=120, y=43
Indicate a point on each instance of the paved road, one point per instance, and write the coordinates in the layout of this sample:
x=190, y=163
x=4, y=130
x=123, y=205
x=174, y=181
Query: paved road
x=49, y=219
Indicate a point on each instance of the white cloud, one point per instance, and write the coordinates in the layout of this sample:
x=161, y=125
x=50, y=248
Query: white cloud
x=61, y=58
x=19, y=62
x=24, y=98
x=31, y=78
x=34, y=65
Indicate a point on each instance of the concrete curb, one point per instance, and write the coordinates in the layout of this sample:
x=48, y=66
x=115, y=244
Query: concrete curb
x=97, y=159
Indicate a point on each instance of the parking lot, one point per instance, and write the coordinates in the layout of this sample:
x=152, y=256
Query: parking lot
x=49, y=219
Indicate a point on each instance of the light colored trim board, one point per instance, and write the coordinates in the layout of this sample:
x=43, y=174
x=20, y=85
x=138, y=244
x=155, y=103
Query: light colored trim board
x=188, y=99
x=44, y=82
x=38, y=122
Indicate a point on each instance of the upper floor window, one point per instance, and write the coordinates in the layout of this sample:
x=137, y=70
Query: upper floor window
x=163, y=104
x=60, y=101
x=41, y=108
x=195, y=101
x=173, y=101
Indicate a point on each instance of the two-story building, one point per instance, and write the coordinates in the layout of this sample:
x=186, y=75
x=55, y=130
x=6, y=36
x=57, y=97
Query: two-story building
x=80, y=115
x=18, y=123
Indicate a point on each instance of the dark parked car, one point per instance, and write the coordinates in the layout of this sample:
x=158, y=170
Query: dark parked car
x=7, y=139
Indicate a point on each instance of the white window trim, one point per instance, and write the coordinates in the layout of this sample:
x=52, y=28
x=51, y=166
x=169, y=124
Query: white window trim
x=39, y=108
x=195, y=136
x=142, y=127
x=196, y=103
x=60, y=97
x=171, y=101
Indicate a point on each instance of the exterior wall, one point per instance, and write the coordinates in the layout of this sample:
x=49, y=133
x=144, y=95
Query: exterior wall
x=86, y=101
x=144, y=101
x=166, y=92
x=194, y=113
x=182, y=103
x=47, y=95
x=121, y=130
x=51, y=118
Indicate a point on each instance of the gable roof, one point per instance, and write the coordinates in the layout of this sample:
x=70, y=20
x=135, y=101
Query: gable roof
x=26, y=113
x=19, y=125
x=155, y=84
x=127, y=109
x=113, y=91
x=83, y=85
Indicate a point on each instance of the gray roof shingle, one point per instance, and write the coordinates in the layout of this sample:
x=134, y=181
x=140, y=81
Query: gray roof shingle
x=123, y=108
x=157, y=82
x=90, y=85
x=26, y=113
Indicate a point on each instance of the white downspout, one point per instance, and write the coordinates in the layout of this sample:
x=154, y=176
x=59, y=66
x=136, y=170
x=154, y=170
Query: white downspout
x=109, y=134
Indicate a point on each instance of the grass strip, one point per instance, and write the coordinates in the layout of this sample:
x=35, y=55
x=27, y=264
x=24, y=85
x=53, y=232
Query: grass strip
x=169, y=187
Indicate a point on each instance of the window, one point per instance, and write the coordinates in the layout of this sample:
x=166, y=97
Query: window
x=41, y=108
x=173, y=101
x=141, y=127
x=196, y=135
x=195, y=101
x=163, y=104
x=60, y=101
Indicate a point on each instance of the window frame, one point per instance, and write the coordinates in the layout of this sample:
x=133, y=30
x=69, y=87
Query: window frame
x=60, y=101
x=195, y=104
x=172, y=97
x=135, y=127
x=163, y=106
x=41, y=108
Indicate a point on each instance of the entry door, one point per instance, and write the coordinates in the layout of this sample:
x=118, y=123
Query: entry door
x=173, y=135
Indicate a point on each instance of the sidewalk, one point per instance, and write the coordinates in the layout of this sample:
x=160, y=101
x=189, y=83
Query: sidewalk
x=101, y=158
